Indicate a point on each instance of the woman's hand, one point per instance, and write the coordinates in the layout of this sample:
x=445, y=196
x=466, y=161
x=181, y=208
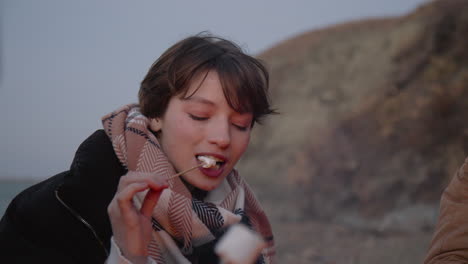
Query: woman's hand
x=132, y=227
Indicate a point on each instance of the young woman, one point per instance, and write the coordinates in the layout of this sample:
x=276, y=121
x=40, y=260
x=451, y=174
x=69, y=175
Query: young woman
x=120, y=202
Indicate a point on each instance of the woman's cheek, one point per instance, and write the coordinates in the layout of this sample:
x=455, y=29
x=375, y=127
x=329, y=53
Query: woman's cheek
x=241, y=142
x=183, y=124
x=189, y=129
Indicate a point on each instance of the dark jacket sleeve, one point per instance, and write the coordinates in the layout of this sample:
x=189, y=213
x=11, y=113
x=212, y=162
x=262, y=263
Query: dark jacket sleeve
x=38, y=228
x=450, y=241
x=22, y=231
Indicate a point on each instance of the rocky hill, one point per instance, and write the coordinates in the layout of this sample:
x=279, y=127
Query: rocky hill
x=373, y=121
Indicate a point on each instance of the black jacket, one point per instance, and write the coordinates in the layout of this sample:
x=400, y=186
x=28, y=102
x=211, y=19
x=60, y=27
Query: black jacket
x=64, y=218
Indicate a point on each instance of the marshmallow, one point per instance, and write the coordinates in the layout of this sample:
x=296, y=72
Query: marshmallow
x=239, y=245
x=208, y=162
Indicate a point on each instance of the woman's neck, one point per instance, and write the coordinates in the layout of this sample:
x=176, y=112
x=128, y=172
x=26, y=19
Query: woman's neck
x=197, y=193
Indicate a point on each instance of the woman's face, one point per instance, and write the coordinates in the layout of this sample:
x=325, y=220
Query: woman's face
x=203, y=124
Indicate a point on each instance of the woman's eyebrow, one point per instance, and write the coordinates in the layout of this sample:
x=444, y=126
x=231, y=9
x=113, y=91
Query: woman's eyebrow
x=201, y=100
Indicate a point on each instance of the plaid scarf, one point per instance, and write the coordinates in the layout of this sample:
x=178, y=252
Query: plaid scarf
x=182, y=224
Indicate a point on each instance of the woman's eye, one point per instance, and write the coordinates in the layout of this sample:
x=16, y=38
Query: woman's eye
x=241, y=128
x=198, y=118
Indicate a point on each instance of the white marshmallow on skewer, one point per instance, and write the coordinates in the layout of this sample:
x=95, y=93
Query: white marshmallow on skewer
x=239, y=245
x=208, y=162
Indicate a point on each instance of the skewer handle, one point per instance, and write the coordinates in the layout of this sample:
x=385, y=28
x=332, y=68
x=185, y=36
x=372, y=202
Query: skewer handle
x=185, y=171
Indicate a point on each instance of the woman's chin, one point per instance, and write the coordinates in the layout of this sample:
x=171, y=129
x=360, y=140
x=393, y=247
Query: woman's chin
x=206, y=186
x=202, y=181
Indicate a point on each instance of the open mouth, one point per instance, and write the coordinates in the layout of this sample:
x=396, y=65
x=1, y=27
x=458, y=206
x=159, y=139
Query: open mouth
x=210, y=162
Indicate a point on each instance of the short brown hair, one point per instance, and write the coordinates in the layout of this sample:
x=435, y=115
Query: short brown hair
x=244, y=79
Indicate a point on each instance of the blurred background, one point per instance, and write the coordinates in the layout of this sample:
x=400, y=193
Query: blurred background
x=372, y=95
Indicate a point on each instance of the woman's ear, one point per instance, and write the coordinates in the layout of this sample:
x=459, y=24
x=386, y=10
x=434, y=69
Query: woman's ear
x=155, y=124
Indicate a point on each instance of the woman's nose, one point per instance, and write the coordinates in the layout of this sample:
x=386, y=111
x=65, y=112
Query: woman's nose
x=219, y=134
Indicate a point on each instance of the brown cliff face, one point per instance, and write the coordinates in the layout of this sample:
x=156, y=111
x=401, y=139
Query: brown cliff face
x=373, y=123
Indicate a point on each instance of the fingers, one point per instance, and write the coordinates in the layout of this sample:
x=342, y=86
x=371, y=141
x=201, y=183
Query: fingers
x=150, y=201
x=132, y=227
x=152, y=180
x=135, y=182
x=124, y=197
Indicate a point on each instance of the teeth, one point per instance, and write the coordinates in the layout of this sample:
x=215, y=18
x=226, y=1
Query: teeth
x=209, y=161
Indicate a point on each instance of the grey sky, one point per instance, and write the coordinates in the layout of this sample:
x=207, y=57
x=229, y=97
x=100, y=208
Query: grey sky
x=64, y=63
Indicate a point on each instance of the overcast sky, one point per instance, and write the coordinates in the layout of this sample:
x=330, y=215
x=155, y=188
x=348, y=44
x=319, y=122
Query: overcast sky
x=64, y=64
